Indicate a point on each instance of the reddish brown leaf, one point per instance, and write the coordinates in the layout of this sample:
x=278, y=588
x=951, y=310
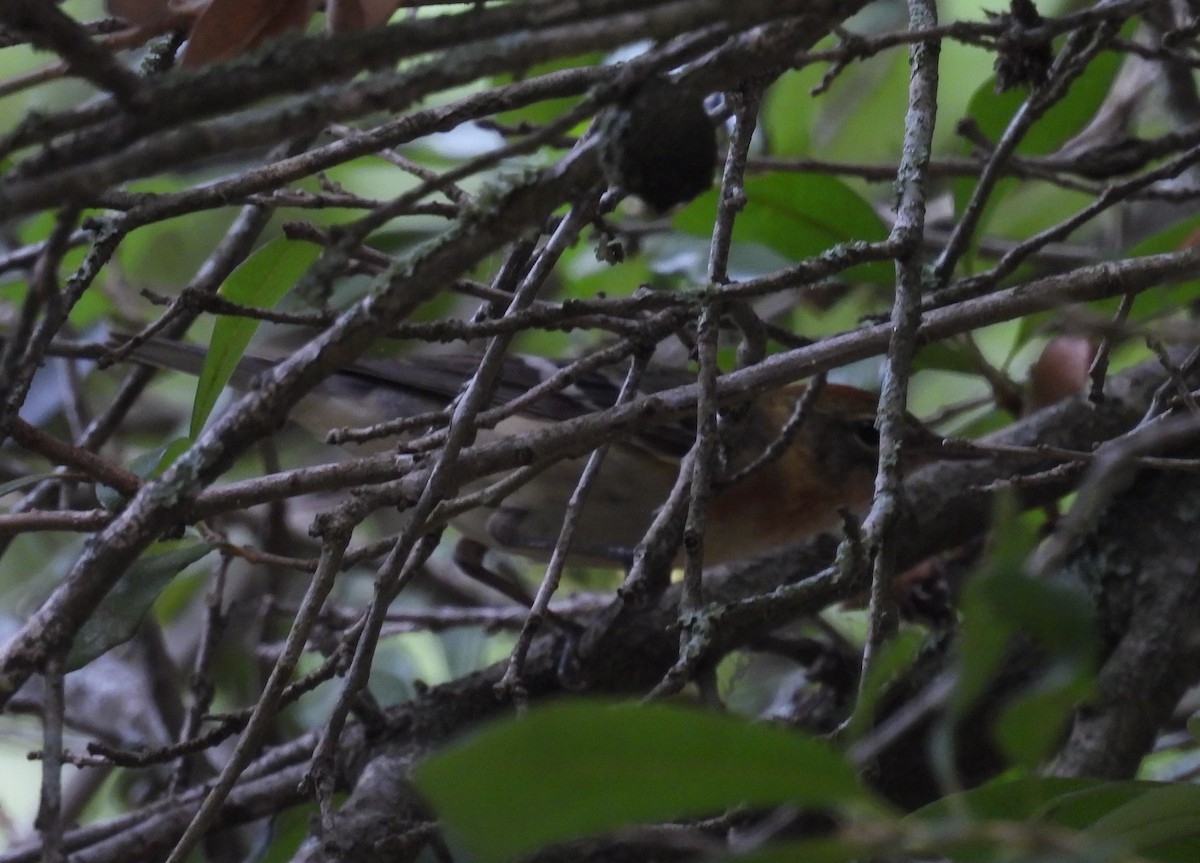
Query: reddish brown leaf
x=228, y=28
x=156, y=16
x=344, y=16
x=139, y=13
x=1061, y=371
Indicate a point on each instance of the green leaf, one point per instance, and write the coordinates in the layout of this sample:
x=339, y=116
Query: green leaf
x=798, y=216
x=1002, y=601
x=121, y=611
x=576, y=769
x=1003, y=821
x=1058, y=616
x=897, y=656
x=260, y=281
x=1169, y=300
x=23, y=482
x=1032, y=724
x=992, y=113
x=1074, y=803
x=147, y=465
x=546, y=110
x=1181, y=234
x=947, y=356
x=1077, y=803
x=849, y=848
x=986, y=631
x=1002, y=605
x=1164, y=814
x=788, y=112
x=865, y=109
x=289, y=829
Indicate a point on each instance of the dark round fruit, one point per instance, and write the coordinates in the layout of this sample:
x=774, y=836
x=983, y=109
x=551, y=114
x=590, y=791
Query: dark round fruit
x=659, y=145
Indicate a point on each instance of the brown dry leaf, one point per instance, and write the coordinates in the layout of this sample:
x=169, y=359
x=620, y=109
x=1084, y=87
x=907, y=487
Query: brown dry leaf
x=139, y=13
x=155, y=15
x=228, y=28
x=345, y=16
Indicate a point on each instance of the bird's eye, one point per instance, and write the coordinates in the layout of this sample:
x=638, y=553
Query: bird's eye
x=864, y=432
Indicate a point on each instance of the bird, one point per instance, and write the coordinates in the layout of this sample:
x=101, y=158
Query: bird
x=826, y=468
x=659, y=144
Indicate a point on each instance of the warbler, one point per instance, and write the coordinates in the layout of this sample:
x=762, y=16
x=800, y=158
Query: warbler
x=828, y=465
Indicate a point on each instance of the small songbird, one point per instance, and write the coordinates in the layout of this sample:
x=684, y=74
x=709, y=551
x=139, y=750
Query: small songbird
x=828, y=465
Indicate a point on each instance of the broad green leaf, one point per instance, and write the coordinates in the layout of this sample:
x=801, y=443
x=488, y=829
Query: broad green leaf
x=798, y=216
x=1166, y=815
x=180, y=594
x=1003, y=601
x=992, y=112
x=897, y=656
x=1185, y=849
x=1169, y=299
x=1117, y=816
x=1031, y=208
x=1033, y=723
x=788, y=112
x=1081, y=802
x=548, y=110
x=1071, y=802
x=121, y=611
x=986, y=631
x=260, y=281
x=585, y=277
x=289, y=828
x=865, y=110
x=1007, y=603
x=1003, y=605
x=580, y=768
x=1058, y=616
x=945, y=355
x=1180, y=235
x=943, y=832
